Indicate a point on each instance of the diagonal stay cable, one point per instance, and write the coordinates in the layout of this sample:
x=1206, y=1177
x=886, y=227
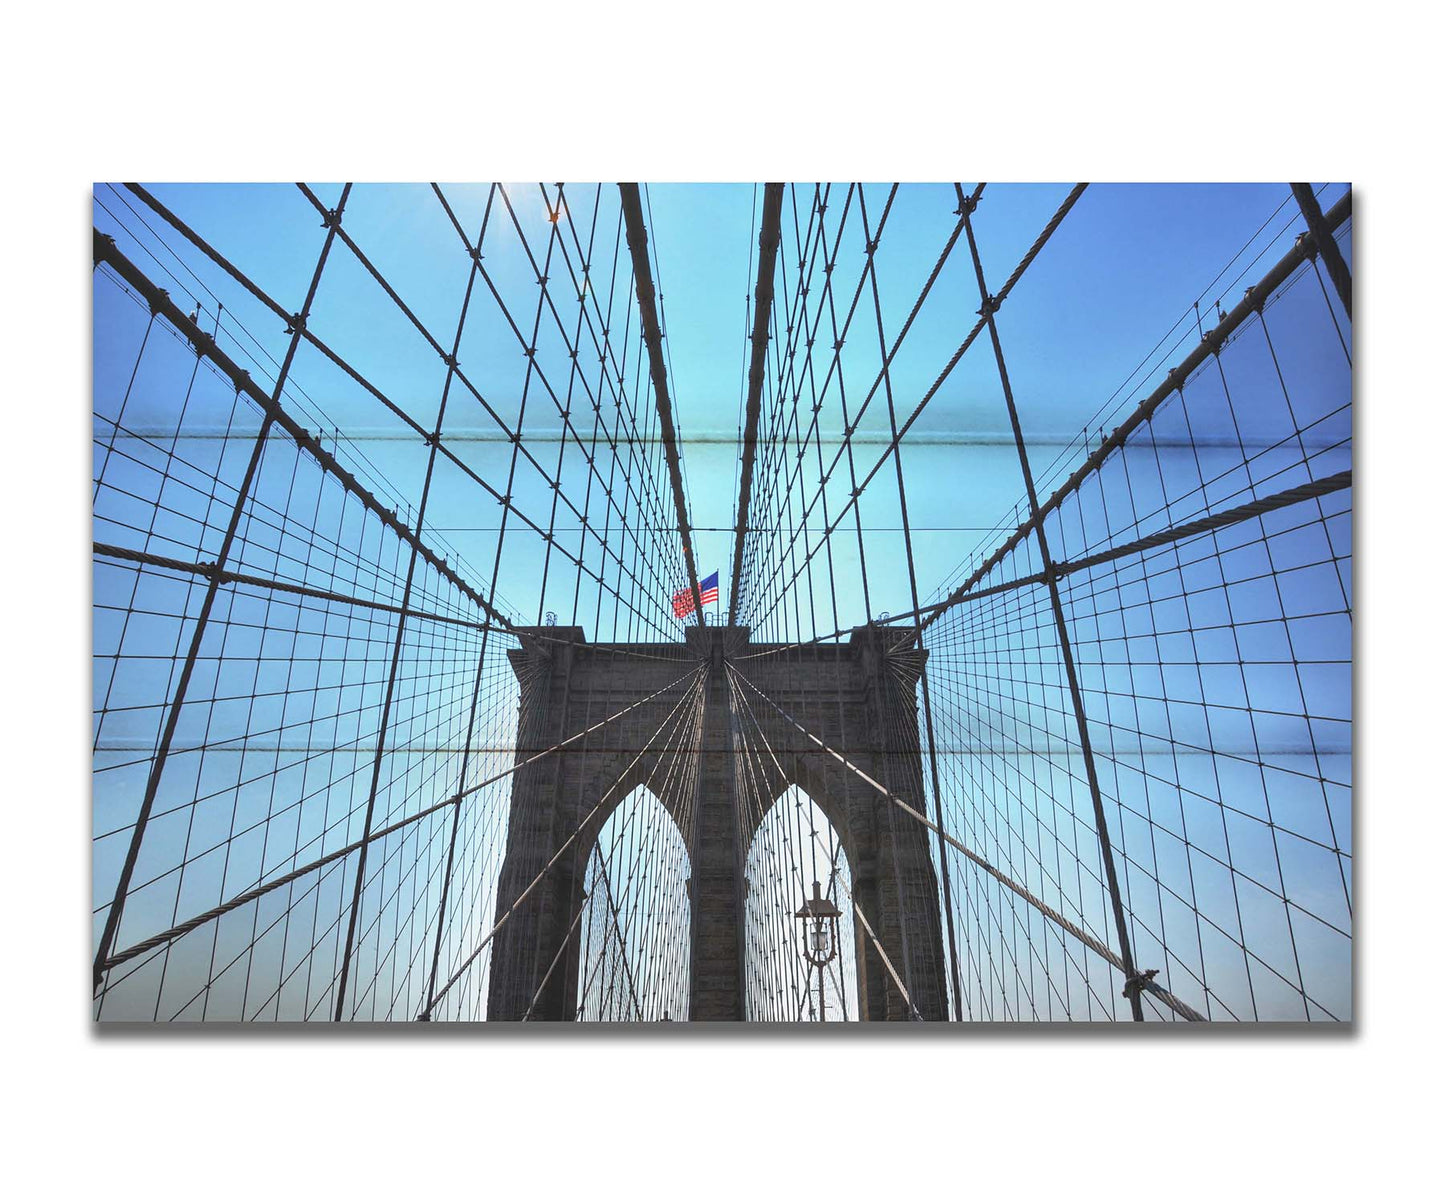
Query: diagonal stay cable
x=903, y=428
x=1213, y=342
x=1097, y=946
x=621, y=937
x=250, y=896
x=270, y=408
x=206, y=347
x=887, y=962
x=231, y=577
x=969, y=591
x=988, y=307
x=693, y=693
x=556, y=959
x=104, y=250
x=210, y=349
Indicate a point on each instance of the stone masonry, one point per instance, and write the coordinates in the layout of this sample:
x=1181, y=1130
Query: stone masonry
x=858, y=697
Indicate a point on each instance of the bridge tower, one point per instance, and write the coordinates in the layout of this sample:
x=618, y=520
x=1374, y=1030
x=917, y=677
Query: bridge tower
x=857, y=697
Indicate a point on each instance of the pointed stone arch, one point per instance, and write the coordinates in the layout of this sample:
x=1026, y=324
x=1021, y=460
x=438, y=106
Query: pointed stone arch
x=857, y=696
x=773, y=888
x=634, y=933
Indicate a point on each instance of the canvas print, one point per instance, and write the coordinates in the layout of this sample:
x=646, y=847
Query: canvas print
x=761, y=603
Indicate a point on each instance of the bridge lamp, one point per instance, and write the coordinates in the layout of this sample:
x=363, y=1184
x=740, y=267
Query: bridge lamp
x=819, y=917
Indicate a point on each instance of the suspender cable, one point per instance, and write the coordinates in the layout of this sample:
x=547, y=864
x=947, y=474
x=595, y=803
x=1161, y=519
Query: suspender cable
x=652, y=335
x=1140, y=982
x=1254, y=300
x=757, y=369
x=1101, y=827
x=692, y=693
x=270, y=408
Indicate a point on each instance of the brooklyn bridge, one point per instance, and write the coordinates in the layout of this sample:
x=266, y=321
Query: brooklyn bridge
x=1016, y=696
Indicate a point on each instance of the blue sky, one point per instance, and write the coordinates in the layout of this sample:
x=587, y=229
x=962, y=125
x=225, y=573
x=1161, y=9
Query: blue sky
x=1105, y=310
x=1126, y=264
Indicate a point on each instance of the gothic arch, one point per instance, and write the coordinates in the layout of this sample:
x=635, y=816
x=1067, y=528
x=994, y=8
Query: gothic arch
x=634, y=929
x=794, y=846
x=571, y=794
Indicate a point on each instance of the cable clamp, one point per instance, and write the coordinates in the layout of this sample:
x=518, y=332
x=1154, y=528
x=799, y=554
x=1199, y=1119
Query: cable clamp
x=331, y=220
x=990, y=306
x=966, y=207
x=1137, y=982
x=295, y=324
x=476, y=254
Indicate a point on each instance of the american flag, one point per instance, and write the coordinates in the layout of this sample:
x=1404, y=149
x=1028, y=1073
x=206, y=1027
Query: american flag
x=682, y=600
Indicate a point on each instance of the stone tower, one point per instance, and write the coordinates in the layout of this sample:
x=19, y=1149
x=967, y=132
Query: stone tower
x=858, y=697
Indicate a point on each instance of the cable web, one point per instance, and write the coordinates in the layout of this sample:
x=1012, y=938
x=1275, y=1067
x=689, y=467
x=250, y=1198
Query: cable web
x=411, y=701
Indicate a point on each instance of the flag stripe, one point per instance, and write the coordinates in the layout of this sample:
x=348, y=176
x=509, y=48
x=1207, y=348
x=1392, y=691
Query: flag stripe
x=682, y=603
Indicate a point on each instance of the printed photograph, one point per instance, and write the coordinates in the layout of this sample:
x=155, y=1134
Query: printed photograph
x=679, y=603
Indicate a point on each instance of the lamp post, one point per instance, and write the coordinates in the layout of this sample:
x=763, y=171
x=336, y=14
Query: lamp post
x=819, y=917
